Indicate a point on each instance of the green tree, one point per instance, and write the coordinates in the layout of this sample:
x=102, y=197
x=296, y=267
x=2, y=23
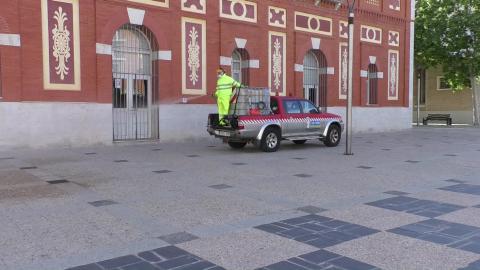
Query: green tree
x=448, y=34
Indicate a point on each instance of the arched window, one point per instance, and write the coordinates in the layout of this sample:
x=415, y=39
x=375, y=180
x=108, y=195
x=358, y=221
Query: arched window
x=134, y=84
x=372, y=82
x=315, y=78
x=240, y=66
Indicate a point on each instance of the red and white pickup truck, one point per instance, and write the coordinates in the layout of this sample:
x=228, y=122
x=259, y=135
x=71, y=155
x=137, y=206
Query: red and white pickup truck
x=287, y=118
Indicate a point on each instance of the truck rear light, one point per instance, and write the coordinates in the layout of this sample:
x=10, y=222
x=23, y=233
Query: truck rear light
x=241, y=126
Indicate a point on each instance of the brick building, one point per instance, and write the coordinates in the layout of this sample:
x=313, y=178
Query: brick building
x=76, y=72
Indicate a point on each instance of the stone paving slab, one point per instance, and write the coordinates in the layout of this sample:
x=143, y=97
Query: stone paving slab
x=373, y=217
x=394, y=252
x=461, y=199
x=246, y=250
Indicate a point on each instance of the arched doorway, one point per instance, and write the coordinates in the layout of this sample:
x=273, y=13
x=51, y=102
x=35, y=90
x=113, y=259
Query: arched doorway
x=135, y=116
x=372, y=84
x=315, y=78
x=240, y=66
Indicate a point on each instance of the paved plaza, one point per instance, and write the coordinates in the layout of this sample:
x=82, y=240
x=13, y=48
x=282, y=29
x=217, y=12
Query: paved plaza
x=404, y=200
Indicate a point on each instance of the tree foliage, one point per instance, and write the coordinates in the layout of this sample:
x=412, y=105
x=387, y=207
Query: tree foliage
x=448, y=34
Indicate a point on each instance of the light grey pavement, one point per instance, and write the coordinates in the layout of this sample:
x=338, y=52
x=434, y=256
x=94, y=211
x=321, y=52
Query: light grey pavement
x=404, y=200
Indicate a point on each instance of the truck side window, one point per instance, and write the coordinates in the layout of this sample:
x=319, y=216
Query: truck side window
x=274, y=106
x=292, y=106
x=308, y=107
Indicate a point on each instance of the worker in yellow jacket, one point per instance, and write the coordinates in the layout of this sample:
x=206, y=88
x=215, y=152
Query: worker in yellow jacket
x=223, y=94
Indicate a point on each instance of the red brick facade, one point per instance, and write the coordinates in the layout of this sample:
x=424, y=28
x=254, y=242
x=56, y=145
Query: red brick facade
x=22, y=67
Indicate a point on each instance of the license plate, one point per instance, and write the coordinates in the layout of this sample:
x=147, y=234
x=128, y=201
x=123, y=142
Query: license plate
x=222, y=133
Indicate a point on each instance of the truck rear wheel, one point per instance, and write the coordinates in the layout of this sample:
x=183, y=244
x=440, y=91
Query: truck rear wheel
x=333, y=136
x=270, y=141
x=237, y=145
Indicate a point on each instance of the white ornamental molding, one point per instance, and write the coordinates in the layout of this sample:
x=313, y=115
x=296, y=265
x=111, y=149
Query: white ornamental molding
x=196, y=6
x=313, y=23
x=393, y=73
x=394, y=38
x=371, y=34
x=136, y=16
x=315, y=43
x=277, y=17
x=61, y=45
x=394, y=5
x=298, y=68
x=343, y=66
x=277, y=62
x=193, y=56
x=241, y=10
x=240, y=43
x=10, y=40
x=363, y=73
x=343, y=29
x=158, y=3
x=105, y=49
x=225, y=61
x=162, y=56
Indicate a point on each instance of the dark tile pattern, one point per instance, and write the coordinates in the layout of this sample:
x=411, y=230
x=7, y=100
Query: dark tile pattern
x=473, y=266
x=424, y=208
x=28, y=168
x=164, y=258
x=310, y=209
x=157, y=149
x=120, y=161
x=454, y=235
x=60, y=181
x=320, y=260
x=456, y=181
x=299, y=158
x=162, y=171
x=239, y=163
x=90, y=153
x=220, y=186
x=395, y=192
x=192, y=156
x=387, y=149
x=412, y=161
x=102, y=203
x=463, y=188
x=6, y=158
x=317, y=231
x=450, y=155
x=303, y=175
x=364, y=167
x=178, y=238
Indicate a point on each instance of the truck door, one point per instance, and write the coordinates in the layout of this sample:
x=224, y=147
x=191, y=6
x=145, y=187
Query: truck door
x=293, y=123
x=311, y=114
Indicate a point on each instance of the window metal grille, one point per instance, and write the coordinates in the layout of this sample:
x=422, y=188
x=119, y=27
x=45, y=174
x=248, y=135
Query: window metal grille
x=372, y=82
x=315, y=78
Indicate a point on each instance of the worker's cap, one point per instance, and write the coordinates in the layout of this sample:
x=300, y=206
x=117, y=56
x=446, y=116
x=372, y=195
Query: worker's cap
x=220, y=70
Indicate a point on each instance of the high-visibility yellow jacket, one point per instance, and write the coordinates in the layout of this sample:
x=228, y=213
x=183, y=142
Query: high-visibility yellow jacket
x=225, y=84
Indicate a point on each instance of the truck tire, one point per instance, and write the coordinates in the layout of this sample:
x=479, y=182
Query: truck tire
x=299, y=141
x=270, y=141
x=333, y=136
x=237, y=145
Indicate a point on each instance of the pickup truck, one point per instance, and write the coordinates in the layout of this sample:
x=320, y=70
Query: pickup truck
x=287, y=118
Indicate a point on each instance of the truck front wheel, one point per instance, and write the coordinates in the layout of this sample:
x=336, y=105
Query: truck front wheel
x=333, y=136
x=237, y=145
x=270, y=141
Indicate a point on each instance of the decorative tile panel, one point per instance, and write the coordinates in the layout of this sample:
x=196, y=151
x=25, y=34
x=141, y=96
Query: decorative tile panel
x=343, y=29
x=393, y=66
x=313, y=24
x=277, y=17
x=393, y=38
x=61, y=45
x=371, y=34
x=241, y=10
x=193, y=56
x=343, y=67
x=197, y=6
x=394, y=5
x=158, y=3
x=277, y=62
